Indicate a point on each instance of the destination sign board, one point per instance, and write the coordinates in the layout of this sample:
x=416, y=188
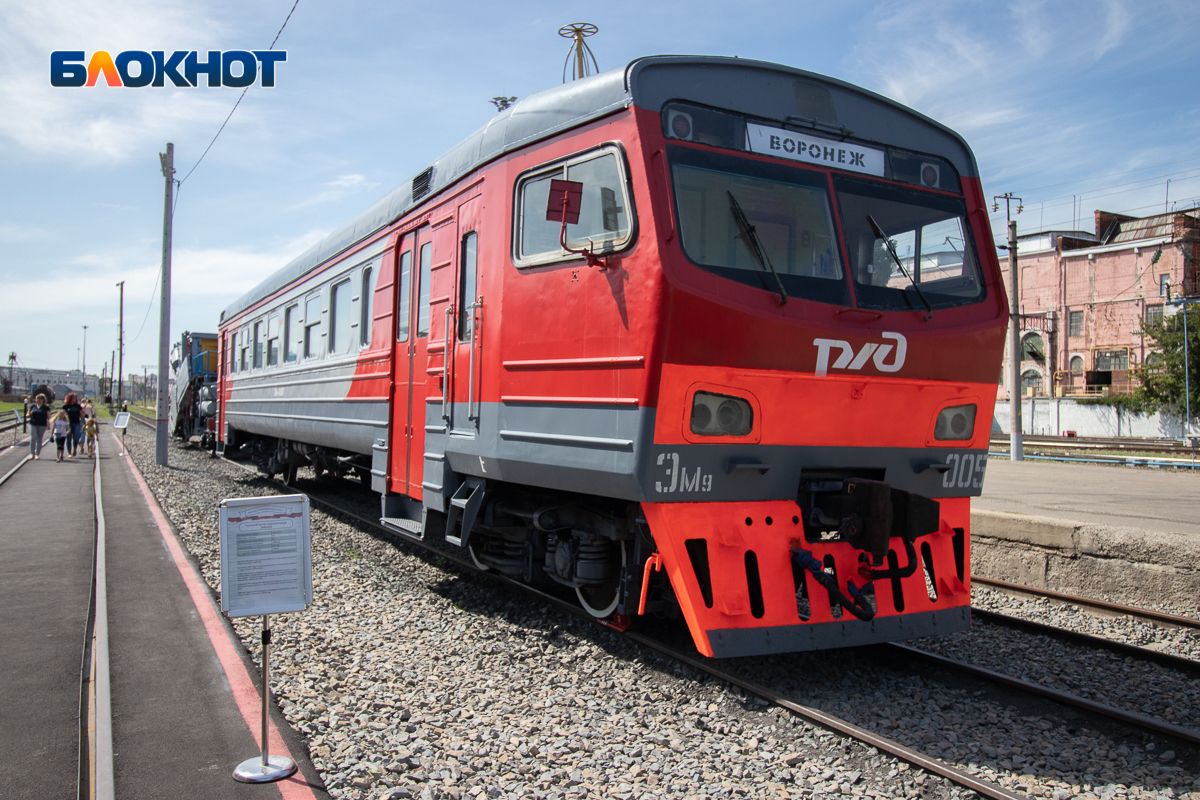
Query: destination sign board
x=812, y=150
x=266, y=555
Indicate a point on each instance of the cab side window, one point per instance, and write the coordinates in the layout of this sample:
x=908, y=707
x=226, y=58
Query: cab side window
x=604, y=215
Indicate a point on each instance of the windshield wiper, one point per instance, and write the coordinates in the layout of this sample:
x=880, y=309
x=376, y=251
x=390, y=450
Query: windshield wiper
x=750, y=237
x=879, y=234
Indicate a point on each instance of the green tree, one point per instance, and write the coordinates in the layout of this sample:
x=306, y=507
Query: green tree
x=1162, y=376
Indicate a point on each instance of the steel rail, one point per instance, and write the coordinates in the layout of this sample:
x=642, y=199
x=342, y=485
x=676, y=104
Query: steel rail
x=1099, y=443
x=1065, y=698
x=1088, y=602
x=1168, y=660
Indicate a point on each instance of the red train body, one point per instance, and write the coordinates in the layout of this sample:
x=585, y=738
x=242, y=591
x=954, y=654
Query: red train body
x=764, y=400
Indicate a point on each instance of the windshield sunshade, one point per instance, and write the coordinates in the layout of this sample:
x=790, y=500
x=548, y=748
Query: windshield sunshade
x=759, y=224
x=928, y=233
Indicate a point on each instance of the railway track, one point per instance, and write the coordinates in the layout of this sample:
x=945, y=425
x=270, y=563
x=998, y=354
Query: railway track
x=903, y=652
x=1146, y=614
x=1166, y=446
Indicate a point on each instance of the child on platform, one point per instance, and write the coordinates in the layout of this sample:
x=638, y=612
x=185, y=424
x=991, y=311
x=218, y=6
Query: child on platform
x=90, y=430
x=62, y=428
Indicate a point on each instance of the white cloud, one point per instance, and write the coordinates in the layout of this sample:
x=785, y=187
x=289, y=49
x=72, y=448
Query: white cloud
x=342, y=186
x=13, y=233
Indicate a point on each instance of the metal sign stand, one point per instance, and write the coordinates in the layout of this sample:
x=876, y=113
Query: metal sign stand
x=266, y=568
x=121, y=422
x=268, y=768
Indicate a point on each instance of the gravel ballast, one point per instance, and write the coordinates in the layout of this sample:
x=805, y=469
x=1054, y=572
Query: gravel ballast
x=409, y=678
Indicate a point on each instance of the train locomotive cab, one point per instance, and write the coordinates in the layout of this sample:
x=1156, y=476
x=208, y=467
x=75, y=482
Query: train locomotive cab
x=702, y=335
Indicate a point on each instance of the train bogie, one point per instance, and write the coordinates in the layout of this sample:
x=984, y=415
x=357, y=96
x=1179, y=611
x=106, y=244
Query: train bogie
x=703, y=335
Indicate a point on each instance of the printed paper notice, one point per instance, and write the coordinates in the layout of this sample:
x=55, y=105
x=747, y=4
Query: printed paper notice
x=266, y=555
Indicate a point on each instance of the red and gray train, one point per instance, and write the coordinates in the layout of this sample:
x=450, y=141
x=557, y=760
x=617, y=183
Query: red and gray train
x=700, y=335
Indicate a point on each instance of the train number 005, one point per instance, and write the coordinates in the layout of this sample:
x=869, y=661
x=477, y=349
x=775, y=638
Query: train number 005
x=966, y=470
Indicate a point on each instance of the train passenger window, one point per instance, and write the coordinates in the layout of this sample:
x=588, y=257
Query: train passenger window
x=604, y=219
x=405, y=290
x=367, y=302
x=258, y=345
x=244, y=360
x=763, y=225
x=340, y=319
x=291, y=330
x=231, y=353
x=929, y=235
x=312, y=326
x=272, y=340
x=466, y=287
x=423, y=290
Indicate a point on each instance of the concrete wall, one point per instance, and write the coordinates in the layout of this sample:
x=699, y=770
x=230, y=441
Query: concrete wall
x=1123, y=565
x=1053, y=416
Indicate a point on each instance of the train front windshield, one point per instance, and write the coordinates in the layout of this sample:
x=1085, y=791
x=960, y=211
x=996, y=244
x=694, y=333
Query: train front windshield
x=776, y=227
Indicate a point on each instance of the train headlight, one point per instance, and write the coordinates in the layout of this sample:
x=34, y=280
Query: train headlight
x=721, y=415
x=955, y=423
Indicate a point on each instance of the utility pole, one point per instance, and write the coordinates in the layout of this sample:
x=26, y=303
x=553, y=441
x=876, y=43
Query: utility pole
x=121, y=348
x=85, y=360
x=1016, y=444
x=112, y=374
x=161, y=435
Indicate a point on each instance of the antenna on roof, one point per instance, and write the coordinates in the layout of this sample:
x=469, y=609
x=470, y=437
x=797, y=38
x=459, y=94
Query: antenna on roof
x=579, y=31
x=502, y=103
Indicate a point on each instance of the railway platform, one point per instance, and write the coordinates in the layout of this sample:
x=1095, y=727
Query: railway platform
x=183, y=708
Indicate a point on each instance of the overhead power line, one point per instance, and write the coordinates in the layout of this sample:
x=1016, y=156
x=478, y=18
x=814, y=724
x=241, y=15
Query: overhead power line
x=238, y=103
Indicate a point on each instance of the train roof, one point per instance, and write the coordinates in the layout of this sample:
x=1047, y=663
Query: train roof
x=648, y=82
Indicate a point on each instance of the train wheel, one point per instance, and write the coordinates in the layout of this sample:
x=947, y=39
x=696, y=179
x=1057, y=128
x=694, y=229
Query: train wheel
x=289, y=475
x=601, y=601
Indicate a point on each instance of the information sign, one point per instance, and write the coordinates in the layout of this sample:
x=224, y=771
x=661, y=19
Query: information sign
x=17, y=416
x=266, y=555
x=122, y=420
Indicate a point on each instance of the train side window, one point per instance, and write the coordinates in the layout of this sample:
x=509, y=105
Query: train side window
x=340, y=318
x=231, y=353
x=405, y=290
x=312, y=326
x=291, y=338
x=244, y=355
x=272, y=340
x=466, y=287
x=367, y=302
x=258, y=345
x=605, y=219
x=423, y=290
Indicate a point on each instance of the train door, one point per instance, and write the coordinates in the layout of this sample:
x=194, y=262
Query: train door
x=462, y=340
x=412, y=334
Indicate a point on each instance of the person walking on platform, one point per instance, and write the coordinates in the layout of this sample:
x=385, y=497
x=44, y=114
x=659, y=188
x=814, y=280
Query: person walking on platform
x=39, y=418
x=91, y=430
x=74, y=417
x=62, y=429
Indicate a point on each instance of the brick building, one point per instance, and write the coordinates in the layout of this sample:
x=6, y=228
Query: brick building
x=1084, y=297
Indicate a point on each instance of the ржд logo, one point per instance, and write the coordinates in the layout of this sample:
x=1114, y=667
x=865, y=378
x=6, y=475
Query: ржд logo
x=848, y=359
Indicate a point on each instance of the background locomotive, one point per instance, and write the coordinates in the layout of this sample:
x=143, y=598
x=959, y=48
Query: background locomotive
x=751, y=375
x=193, y=390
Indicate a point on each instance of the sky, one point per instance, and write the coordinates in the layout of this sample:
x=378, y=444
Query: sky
x=1071, y=106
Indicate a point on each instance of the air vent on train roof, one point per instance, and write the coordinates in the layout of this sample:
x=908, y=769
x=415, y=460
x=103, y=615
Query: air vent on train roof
x=422, y=183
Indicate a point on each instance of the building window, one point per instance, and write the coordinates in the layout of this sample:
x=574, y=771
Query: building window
x=312, y=326
x=258, y=346
x=1164, y=285
x=1075, y=323
x=1077, y=364
x=1032, y=348
x=273, y=340
x=1154, y=314
x=368, y=298
x=1111, y=360
x=1031, y=383
x=291, y=330
x=339, y=318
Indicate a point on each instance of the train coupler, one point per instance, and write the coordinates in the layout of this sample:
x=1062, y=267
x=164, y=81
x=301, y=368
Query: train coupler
x=856, y=602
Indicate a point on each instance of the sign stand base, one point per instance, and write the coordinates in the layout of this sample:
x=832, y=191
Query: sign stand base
x=252, y=770
x=265, y=768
